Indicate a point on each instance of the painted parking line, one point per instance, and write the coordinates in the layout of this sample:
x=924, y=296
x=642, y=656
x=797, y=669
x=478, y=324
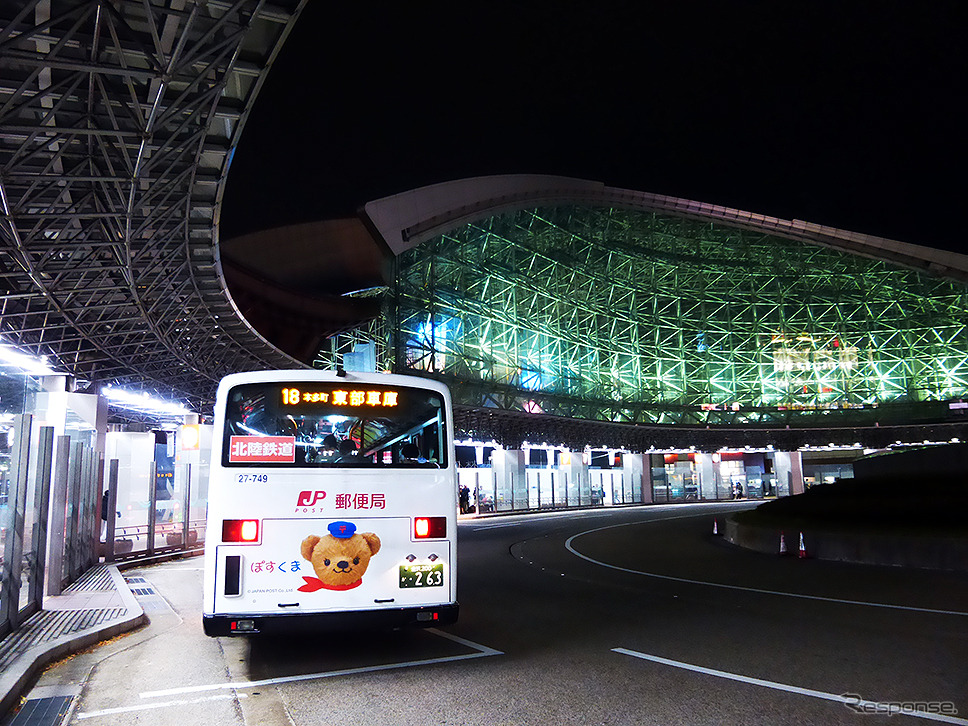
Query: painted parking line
x=779, y=593
x=480, y=651
x=852, y=701
x=152, y=706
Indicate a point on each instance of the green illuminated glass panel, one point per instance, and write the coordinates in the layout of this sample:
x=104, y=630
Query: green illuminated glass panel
x=634, y=316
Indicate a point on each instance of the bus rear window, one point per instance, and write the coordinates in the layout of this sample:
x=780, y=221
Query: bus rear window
x=306, y=424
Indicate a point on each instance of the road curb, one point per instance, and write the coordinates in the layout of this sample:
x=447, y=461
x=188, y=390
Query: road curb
x=19, y=675
x=931, y=553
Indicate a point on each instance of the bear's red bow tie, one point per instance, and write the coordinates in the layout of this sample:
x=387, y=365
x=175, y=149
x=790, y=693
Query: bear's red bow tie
x=314, y=583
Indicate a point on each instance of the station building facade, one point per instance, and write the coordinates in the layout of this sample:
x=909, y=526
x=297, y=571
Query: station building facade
x=564, y=300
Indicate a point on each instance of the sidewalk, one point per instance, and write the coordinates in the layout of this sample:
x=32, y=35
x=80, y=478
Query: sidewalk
x=96, y=607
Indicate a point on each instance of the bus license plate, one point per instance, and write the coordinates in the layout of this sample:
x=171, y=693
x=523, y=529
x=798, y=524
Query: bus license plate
x=421, y=575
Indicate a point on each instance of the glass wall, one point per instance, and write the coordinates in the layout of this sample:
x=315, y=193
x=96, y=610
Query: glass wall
x=723, y=475
x=162, y=489
x=53, y=482
x=675, y=478
x=745, y=475
x=491, y=479
x=622, y=315
x=18, y=535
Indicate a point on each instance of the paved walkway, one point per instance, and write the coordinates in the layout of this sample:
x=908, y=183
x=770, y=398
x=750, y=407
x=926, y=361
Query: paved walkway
x=97, y=607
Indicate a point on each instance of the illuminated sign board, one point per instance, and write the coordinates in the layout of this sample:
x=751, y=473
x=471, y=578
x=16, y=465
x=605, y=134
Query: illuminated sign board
x=348, y=397
x=262, y=449
x=791, y=359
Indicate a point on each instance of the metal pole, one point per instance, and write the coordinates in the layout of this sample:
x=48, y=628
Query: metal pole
x=58, y=514
x=152, y=506
x=45, y=457
x=16, y=503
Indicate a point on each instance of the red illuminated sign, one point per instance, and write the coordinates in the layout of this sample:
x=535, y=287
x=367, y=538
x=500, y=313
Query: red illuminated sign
x=262, y=449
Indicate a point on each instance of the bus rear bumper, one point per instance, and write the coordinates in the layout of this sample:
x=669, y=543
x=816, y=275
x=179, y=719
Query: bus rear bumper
x=419, y=617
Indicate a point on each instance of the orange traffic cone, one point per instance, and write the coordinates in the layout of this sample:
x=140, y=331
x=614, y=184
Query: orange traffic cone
x=715, y=527
x=803, y=547
x=783, y=548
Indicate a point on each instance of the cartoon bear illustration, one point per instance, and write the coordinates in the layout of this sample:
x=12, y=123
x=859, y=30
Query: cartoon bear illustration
x=339, y=558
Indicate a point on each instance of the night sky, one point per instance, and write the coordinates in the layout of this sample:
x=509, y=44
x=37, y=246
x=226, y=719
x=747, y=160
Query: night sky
x=849, y=114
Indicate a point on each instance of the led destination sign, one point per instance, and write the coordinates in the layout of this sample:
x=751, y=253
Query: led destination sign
x=351, y=398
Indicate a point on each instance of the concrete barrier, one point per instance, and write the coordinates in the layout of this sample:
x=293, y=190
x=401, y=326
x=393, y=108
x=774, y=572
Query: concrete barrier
x=932, y=553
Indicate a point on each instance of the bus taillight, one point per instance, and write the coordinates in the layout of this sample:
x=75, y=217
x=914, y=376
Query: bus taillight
x=240, y=530
x=429, y=527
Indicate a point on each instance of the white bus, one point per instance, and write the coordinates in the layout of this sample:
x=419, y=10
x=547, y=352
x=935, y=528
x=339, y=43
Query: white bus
x=332, y=504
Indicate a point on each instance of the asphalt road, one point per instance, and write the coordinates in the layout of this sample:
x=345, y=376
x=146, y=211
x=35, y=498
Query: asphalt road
x=630, y=616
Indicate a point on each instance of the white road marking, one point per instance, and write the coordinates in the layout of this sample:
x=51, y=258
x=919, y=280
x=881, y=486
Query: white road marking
x=878, y=706
x=513, y=521
x=571, y=515
x=463, y=641
x=482, y=652
x=761, y=591
x=494, y=526
x=163, y=704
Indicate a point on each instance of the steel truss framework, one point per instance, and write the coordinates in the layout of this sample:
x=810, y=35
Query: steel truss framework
x=117, y=124
x=630, y=316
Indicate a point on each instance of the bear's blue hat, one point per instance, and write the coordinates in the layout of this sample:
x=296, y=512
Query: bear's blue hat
x=342, y=530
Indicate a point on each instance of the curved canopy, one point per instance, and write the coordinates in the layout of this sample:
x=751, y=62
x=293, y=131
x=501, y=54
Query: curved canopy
x=405, y=220
x=117, y=127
